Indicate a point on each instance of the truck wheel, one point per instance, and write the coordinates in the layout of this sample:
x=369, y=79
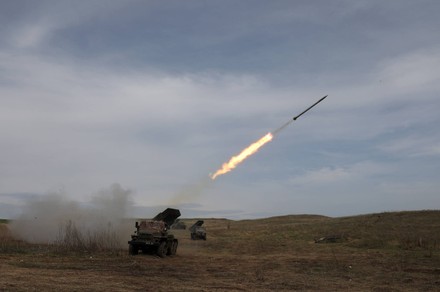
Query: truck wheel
x=176, y=244
x=132, y=250
x=170, y=248
x=162, y=249
x=173, y=248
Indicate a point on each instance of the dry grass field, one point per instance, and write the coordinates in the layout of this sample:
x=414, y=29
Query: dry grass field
x=377, y=252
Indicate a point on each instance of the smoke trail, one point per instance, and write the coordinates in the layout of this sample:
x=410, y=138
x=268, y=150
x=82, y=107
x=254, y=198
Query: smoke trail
x=282, y=127
x=195, y=190
x=43, y=218
x=190, y=192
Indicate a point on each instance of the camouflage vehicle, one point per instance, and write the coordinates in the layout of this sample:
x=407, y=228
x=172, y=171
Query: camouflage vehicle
x=197, y=231
x=151, y=236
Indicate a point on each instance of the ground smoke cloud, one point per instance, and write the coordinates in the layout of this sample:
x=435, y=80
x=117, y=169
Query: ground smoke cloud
x=55, y=219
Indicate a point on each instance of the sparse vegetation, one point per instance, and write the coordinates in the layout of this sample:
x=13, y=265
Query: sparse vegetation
x=378, y=252
x=8, y=244
x=72, y=239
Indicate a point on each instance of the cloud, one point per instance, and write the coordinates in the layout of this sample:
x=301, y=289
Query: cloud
x=412, y=146
x=157, y=95
x=323, y=175
x=31, y=36
x=417, y=71
x=60, y=115
x=341, y=174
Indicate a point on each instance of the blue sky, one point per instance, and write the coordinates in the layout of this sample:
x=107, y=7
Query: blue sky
x=155, y=95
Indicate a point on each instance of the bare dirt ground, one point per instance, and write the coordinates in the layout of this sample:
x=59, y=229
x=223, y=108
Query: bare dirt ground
x=378, y=252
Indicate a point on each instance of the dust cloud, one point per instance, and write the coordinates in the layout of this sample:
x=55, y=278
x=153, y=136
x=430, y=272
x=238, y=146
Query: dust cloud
x=45, y=219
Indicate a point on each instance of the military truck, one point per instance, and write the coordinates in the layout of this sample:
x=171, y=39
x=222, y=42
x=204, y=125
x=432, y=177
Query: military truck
x=198, y=231
x=151, y=236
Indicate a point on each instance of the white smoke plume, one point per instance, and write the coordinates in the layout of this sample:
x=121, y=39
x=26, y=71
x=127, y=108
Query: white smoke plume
x=190, y=192
x=47, y=218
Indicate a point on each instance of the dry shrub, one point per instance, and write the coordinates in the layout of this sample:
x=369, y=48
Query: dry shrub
x=426, y=243
x=72, y=239
x=260, y=274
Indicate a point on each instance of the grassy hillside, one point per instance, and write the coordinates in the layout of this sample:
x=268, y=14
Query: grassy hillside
x=396, y=251
x=395, y=230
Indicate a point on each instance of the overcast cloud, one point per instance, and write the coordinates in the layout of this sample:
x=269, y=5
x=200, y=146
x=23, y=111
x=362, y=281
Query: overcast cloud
x=155, y=95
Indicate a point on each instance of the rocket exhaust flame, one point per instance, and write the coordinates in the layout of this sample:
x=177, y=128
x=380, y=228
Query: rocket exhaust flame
x=235, y=160
x=251, y=149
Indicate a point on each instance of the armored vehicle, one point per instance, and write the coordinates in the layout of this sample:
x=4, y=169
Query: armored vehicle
x=151, y=236
x=198, y=231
